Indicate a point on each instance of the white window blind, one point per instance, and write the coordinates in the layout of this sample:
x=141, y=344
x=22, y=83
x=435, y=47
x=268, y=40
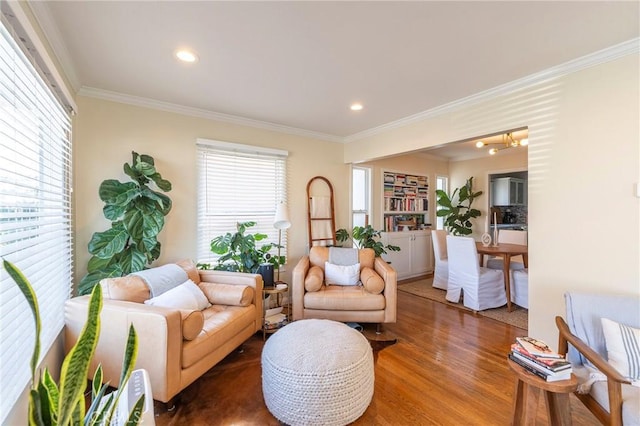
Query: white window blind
x=35, y=213
x=238, y=183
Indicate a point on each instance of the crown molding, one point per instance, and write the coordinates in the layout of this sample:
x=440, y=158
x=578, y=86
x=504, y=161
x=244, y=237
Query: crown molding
x=42, y=15
x=602, y=56
x=202, y=113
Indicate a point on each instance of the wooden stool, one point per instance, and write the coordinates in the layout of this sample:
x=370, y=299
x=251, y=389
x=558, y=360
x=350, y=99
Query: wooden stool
x=525, y=397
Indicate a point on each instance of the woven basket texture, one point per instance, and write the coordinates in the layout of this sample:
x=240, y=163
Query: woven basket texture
x=317, y=372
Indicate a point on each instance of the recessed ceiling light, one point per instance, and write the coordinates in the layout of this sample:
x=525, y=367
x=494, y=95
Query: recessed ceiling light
x=356, y=107
x=186, y=55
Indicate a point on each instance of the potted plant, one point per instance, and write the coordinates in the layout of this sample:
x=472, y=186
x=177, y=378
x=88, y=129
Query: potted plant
x=137, y=216
x=365, y=237
x=458, y=213
x=64, y=403
x=239, y=252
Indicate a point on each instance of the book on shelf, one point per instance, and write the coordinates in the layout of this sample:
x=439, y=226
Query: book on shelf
x=555, y=377
x=537, y=347
x=553, y=364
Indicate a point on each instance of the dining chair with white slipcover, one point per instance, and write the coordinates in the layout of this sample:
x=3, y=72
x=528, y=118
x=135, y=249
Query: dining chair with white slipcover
x=520, y=287
x=509, y=236
x=481, y=288
x=441, y=273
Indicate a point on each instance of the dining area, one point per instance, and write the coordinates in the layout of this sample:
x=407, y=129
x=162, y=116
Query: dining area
x=483, y=275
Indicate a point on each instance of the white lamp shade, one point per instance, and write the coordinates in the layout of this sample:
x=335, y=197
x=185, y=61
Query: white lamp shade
x=281, y=220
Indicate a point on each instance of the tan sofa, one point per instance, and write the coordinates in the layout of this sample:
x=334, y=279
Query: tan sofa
x=172, y=361
x=345, y=303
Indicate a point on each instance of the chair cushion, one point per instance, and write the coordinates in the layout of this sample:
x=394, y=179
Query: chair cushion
x=344, y=298
x=319, y=255
x=623, y=348
x=227, y=294
x=314, y=279
x=371, y=281
x=185, y=296
x=192, y=323
x=584, y=311
x=191, y=270
x=130, y=289
x=599, y=392
x=341, y=274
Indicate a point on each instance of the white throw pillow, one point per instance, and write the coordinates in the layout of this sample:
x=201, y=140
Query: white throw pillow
x=185, y=296
x=341, y=274
x=623, y=348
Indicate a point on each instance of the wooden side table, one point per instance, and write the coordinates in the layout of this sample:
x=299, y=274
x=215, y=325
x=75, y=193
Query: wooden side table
x=527, y=392
x=280, y=293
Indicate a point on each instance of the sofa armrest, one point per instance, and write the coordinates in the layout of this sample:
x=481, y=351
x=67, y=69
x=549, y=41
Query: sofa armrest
x=239, y=278
x=159, y=332
x=390, y=278
x=297, y=287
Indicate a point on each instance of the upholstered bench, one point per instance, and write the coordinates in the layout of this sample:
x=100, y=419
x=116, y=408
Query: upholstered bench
x=317, y=372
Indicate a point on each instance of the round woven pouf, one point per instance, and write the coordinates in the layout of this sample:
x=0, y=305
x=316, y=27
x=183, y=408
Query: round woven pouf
x=317, y=372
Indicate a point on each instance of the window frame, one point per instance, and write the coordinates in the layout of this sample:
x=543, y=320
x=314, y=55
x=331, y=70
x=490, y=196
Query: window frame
x=445, y=187
x=211, y=223
x=367, y=195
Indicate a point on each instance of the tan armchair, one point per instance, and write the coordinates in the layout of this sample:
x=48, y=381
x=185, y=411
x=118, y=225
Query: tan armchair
x=374, y=301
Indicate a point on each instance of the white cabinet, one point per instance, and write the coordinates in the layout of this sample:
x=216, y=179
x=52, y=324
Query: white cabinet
x=508, y=192
x=415, y=256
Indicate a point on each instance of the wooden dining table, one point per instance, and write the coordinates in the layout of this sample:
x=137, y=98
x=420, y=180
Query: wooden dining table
x=507, y=251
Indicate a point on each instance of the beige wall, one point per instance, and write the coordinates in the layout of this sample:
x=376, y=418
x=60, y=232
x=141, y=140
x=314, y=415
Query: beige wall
x=106, y=132
x=583, y=161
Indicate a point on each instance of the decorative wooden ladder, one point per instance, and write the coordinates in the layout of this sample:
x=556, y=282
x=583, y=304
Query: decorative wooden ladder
x=321, y=212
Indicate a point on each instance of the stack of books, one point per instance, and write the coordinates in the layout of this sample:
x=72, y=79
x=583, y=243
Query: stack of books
x=274, y=319
x=536, y=357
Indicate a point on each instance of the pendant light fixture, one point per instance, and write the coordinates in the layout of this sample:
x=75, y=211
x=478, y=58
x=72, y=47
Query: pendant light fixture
x=507, y=142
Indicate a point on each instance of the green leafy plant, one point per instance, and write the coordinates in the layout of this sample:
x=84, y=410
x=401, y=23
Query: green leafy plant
x=458, y=213
x=239, y=252
x=366, y=237
x=64, y=404
x=137, y=216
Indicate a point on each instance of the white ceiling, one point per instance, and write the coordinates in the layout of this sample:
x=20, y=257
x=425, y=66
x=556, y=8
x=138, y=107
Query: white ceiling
x=301, y=64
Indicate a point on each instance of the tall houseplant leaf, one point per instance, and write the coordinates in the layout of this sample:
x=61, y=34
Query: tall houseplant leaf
x=366, y=237
x=50, y=404
x=239, y=253
x=137, y=215
x=457, y=213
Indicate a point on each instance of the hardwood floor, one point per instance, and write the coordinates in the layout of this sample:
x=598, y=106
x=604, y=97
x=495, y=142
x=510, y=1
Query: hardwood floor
x=448, y=367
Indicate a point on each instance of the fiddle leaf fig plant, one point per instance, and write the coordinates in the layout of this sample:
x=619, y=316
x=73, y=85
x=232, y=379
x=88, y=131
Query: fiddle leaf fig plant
x=366, y=237
x=457, y=213
x=239, y=252
x=64, y=403
x=137, y=215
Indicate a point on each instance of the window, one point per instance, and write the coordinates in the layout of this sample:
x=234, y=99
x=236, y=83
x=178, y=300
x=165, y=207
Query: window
x=442, y=182
x=360, y=196
x=35, y=213
x=238, y=183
